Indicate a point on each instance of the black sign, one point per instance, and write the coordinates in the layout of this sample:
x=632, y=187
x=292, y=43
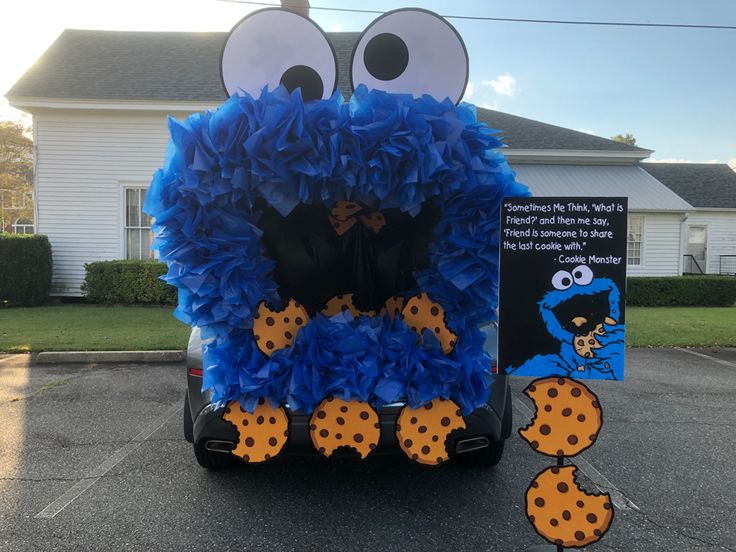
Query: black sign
x=562, y=287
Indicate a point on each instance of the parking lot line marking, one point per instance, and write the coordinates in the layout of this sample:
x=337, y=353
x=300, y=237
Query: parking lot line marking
x=94, y=475
x=703, y=355
x=601, y=481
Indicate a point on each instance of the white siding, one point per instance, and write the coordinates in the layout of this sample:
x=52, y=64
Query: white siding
x=661, y=245
x=83, y=160
x=721, y=235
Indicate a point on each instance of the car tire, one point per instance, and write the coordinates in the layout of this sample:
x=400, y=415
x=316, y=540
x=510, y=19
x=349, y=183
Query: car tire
x=188, y=423
x=213, y=461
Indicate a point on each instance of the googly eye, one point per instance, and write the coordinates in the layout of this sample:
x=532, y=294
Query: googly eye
x=272, y=47
x=411, y=51
x=562, y=280
x=582, y=275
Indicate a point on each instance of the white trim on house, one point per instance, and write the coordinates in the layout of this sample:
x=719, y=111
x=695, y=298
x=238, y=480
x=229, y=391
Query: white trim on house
x=30, y=104
x=573, y=157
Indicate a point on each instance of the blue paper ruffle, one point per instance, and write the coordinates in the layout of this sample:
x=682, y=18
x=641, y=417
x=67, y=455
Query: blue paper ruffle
x=388, y=150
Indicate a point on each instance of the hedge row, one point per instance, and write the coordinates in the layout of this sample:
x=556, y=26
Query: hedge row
x=128, y=283
x=681, y=291
x=138, y=283
x=25, y=270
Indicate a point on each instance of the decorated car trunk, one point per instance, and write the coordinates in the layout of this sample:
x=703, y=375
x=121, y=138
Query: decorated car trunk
x=337, y=256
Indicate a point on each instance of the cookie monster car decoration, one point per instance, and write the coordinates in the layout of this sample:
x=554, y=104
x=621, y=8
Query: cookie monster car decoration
x=337, y=257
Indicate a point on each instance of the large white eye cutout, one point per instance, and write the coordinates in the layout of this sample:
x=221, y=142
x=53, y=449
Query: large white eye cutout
x=562, y=280
x=582, y=275
x=411, y=51
x=273, y=46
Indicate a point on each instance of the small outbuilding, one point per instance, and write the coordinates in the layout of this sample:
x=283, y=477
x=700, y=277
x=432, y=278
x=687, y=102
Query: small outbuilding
x=709, y=236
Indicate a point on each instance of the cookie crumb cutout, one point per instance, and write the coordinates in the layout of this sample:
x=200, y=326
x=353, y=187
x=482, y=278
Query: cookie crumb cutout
x=422, y=432
x=274, y=330
x=261, y=434
x=336, y=423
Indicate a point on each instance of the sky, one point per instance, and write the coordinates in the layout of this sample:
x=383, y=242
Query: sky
x=673, y=89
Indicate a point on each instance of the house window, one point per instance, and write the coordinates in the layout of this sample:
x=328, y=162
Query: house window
x=633, y=244
x=137, y=225
x=23, y=226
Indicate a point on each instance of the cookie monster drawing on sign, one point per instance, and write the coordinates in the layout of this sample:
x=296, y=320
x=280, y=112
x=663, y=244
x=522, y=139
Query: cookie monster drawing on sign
x=337, y=256
x=582, y=313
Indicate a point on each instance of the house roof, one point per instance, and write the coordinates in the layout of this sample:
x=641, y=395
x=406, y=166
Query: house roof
x=704, y=185
x=184, y=67
x=645, y=192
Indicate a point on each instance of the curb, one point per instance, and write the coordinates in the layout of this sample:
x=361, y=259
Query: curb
x=89, y=357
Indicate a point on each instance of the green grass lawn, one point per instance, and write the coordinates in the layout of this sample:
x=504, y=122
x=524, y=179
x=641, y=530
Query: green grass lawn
x=90, y=328
x=97, y=328
x=681, y=327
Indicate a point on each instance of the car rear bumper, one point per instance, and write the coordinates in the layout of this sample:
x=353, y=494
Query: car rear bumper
x=484, y=424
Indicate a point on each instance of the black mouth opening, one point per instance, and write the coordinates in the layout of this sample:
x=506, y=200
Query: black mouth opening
x=314, y=263
x=581, y=314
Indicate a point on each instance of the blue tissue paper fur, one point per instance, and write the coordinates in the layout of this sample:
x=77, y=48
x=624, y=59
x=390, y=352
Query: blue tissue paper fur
x=388, y=150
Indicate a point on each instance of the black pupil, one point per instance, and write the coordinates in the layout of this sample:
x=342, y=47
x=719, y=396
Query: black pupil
x=566, y=281
x=578, y=275
x=386, y=56
x=306, y=78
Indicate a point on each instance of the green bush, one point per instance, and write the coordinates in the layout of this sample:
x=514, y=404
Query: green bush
x=128, y=283
x=25, y=270
x=681, y=291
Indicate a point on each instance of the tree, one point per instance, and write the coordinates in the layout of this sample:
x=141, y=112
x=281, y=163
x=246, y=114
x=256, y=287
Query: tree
x=16, y=175
x=625, y=139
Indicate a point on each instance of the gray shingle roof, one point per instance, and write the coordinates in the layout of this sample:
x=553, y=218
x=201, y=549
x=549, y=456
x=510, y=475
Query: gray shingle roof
x=703, y=185
x=175, y=66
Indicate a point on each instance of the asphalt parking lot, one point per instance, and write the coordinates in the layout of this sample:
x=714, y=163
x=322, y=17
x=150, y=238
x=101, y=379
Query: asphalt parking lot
x=93, y=458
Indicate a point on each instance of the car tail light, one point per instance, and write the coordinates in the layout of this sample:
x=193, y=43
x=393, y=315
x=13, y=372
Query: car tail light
x=494, y=368
x=196, y=372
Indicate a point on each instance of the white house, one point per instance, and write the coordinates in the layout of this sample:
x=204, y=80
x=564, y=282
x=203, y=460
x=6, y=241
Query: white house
x=100, y=99
x=709, y=236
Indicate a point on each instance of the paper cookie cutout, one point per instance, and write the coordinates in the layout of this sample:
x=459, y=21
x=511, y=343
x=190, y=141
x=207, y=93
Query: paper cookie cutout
x=344, y=303
x=274, y=330
x=261, y=434
x=337, y=423
x=421, y=313
x=567, y=420
x=342, y=216
x=585, y=344
x=563, y=513
x=373, y=221
x=422, y=432
x=392, y=307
